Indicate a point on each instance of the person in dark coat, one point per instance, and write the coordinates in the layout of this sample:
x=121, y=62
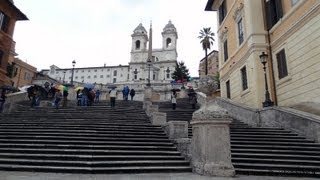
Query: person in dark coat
x=132, y=93
x=2, y=99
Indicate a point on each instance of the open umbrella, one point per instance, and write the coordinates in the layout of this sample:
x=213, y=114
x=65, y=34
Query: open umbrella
x=78, y=88
x=89, y=85
x=112, y=86
x=9, y=88
x=61, y=87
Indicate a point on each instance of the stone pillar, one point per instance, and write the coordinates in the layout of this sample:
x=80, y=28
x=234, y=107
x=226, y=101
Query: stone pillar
x=148, y=93
x=151, y=109
x=146, y=104
x=159, y=118
x=177, y=129
x=210, y=146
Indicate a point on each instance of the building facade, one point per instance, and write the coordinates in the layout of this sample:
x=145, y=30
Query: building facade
x=161, y=65
x=287, y=31
x=24, y=75
x=9, y=14
x=213, y=64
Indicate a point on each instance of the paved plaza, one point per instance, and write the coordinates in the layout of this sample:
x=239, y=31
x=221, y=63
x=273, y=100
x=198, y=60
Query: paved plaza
x=12, y=175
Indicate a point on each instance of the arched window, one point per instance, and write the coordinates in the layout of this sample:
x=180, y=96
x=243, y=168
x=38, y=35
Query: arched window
x=137, y=44
x=168, y=42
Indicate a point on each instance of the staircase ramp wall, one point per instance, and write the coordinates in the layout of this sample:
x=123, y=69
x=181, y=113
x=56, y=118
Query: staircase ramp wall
x=303, y=123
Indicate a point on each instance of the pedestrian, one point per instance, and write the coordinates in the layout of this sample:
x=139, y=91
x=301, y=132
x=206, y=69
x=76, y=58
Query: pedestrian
x=84, y=97
x=34, y=96
x=58, y=97
x=132, y=93
x=125, y=93
x=2, y=99
x=65, y=98
x=193, y=101
x=113, y=95
x=174, y=100
x=97, y=95
x=79, y=95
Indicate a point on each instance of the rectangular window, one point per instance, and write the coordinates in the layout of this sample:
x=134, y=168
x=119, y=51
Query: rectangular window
x=135, y=76
x=240, y=31
x=222, y=11
x=115, y=73
x=225, y=50
x=101, y=76
x=228, y=89
x=114, y=80
x=244, y=78
x=4, y=22
x=168, y=75
x=282, y=64
x=273, y=12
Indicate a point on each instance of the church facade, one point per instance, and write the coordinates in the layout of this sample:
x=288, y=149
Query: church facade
x=145, y=62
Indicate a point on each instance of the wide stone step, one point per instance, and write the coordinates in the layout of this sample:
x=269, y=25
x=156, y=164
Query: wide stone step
x=89, y=147
x=109, y=138
x=91, y=157
x=276, y=161
x=79, y=132
x=104, y=170
x=275, y=143
x=85, y=142
x=83, y=127
x=272, y=147
x=79, y=163
x=274, y=155
x=268, y=172
x=88, y=151
x=284, y=167
x=243, y=133
x=265, y=139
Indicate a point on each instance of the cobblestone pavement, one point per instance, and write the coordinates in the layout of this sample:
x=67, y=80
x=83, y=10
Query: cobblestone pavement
x=11, y=175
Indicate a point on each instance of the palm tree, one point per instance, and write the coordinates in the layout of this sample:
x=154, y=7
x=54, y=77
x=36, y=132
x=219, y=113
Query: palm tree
x=207, y=39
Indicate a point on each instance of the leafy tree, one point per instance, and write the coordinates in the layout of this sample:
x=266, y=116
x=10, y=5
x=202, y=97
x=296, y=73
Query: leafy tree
x=181, y=72
x=207, y=39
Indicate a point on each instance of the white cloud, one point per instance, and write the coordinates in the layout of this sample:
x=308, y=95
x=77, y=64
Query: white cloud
x=94, y=32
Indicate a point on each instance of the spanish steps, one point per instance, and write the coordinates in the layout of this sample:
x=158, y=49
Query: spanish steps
x=99, y=139
x=95, y=139
x=261, y=150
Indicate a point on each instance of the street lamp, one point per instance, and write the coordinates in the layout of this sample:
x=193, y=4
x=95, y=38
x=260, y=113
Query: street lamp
x=267, y=102
x=73, y=64
x=149, y=66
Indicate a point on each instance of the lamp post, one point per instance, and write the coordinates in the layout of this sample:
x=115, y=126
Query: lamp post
x=149, y=66
x=73, y=64
x=267, y=102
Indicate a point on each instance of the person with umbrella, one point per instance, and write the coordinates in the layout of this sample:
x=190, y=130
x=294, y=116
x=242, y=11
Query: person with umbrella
x=2, y=99
x=58, y=97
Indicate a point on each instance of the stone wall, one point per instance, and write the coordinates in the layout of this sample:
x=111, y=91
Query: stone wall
x=303, y=123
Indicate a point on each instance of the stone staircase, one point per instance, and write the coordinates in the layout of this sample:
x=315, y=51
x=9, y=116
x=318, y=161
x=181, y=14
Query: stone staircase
x=263, y=150
x=94, y=139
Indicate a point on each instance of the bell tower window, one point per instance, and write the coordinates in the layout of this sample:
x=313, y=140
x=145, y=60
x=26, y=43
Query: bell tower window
x=138, y=44
x=168, y=42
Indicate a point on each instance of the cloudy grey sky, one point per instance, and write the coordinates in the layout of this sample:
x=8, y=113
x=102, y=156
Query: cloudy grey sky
x=94, y=32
